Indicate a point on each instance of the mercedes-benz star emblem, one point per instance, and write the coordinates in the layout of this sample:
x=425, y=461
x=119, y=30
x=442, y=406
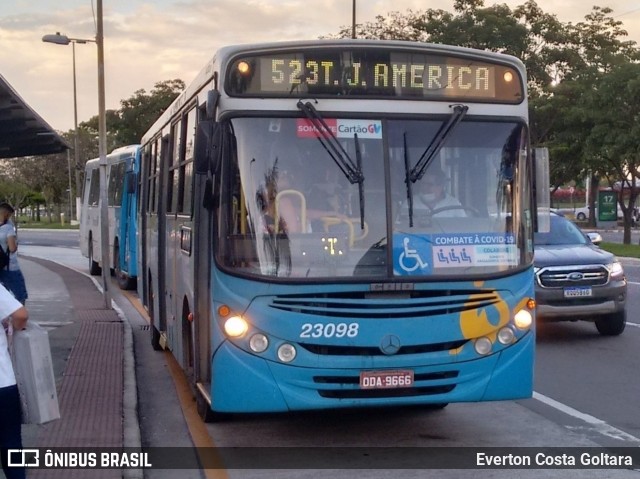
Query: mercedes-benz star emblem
x=390, y=344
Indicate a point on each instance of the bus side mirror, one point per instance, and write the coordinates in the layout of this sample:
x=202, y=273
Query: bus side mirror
x=542, y=222
x=213, y=97
x=132, y=180
x=207, y=151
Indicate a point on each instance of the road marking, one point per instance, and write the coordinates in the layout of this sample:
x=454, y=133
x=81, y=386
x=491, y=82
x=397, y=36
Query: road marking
x=598, y=425
x=635, y=325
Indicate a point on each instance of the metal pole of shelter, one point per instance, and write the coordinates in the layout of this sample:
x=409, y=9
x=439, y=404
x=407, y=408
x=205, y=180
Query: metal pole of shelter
x=102, y=140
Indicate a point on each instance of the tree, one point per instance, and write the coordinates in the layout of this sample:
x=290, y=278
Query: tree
x=564, y=62
x=136, y=115
x=140, y=111
x=614, y=139
x=13, y=192
x=396, y=26
x=127, y=125
x=47, y=174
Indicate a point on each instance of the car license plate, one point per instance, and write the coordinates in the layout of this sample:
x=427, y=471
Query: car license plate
x=578, y=292
x=386, y=379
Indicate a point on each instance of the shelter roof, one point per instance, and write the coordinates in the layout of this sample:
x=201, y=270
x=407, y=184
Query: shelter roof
x=22, y=131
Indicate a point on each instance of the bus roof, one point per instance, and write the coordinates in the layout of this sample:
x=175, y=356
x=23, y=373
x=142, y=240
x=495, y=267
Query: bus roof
x=223, y=55
x=118, y=153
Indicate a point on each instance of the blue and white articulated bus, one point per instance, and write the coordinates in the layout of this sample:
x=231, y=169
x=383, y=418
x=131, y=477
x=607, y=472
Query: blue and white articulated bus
x=123, y=167
x=291, y=254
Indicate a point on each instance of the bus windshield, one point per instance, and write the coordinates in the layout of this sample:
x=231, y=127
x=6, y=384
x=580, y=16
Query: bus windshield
x=293, y=213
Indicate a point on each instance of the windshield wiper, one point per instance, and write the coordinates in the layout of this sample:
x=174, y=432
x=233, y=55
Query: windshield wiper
x=352, y=171
x=361, y=182
x=417, y=172
x=407, y=178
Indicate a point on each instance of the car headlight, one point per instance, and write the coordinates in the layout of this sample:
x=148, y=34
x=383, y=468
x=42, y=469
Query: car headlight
x=616, y=270
x=536, y=269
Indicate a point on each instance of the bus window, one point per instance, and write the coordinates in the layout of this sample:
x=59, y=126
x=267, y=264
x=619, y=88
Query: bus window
x=116, y=178
x=173, y=194
x=94, y=189
x=186, y=169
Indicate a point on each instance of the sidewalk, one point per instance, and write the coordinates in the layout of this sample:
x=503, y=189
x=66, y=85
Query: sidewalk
x=91, y=380
x=114, y=390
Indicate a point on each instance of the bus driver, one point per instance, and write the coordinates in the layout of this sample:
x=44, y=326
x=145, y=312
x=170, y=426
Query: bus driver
x=433, y=196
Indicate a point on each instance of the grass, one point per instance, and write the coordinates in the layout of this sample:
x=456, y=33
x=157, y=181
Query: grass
x=627, y=250
x=46, y=225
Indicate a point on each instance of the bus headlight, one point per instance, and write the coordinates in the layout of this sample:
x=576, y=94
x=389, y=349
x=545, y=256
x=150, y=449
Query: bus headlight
x=286, y=353
x=523, y=319
x=483, y=346
x=235, y=327
x=258, y=343
x=506, y=335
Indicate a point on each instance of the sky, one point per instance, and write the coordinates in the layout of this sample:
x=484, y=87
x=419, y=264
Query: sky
x=149, y=41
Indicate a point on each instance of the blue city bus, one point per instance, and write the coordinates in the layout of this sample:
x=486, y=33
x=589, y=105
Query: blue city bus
x=123, y=168
x=292, y=255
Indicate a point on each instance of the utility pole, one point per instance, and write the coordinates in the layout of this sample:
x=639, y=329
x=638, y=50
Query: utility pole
x=102, y=140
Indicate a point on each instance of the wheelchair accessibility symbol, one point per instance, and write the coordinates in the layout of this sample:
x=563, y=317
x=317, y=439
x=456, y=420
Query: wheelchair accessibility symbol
x=410, y=259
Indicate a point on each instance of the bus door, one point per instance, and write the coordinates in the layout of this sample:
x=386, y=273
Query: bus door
x=159, y=289
x=127, y=231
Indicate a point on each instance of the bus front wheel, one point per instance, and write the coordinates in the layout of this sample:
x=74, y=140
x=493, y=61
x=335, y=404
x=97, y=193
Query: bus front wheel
x=204, y=410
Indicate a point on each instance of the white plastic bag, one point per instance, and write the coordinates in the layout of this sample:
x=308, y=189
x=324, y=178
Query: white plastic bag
x=33, y=368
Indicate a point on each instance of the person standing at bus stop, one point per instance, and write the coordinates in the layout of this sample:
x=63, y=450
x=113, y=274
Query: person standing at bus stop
x=11, y=276
x=15, y=318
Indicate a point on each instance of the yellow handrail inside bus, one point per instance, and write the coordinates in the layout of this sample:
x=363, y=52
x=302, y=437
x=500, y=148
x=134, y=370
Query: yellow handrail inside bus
x=302, y=207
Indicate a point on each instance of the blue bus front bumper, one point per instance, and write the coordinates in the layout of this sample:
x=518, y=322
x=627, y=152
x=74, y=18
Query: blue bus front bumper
x=242, y=382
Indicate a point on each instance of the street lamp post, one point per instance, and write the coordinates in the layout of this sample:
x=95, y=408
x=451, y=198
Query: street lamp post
x=102, y=147
x=59, y=39
x=102, y=127
x=70, y=190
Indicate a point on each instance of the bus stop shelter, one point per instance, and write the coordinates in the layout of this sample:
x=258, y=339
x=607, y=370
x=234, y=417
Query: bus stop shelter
x=22, y=131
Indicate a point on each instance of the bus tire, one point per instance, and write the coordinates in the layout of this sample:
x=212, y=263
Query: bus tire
x=125, y=282
x=204, y=410
x=155, y=334
x=155, y=338
x=94, y=266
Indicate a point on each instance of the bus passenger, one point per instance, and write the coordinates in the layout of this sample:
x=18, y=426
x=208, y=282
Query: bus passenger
x=15, y=317
x=11, y=277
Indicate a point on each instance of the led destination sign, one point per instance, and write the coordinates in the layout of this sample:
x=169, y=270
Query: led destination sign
x=367, y=73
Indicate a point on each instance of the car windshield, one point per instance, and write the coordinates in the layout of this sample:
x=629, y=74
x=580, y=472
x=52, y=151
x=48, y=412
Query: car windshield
x=294, y=208
x=562, y=232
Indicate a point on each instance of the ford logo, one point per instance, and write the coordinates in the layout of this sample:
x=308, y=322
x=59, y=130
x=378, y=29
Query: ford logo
x=576, y=276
